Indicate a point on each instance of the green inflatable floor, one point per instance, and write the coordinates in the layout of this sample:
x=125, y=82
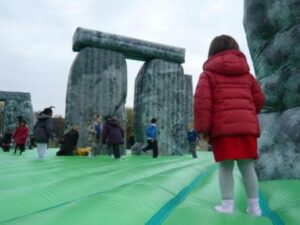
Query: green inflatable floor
x=136, y=190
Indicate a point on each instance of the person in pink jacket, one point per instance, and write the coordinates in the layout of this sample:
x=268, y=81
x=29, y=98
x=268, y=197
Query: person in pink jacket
x=226, y=103
x=20, y=136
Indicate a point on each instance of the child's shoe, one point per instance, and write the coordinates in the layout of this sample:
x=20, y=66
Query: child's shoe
x=227, y=206
x=253, y=207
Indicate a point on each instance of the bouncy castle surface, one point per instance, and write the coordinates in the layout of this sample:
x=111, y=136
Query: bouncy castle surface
x=136, y=190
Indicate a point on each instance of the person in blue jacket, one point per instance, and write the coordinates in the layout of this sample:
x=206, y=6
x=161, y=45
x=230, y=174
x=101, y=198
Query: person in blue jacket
x=193, y=139
x=151, y=133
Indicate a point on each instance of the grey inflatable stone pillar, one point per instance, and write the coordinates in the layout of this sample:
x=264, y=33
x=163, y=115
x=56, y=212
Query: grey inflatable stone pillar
x=272, y=29
x=97, y=85
x=160, y=93
x=188, y=108
x=16, y=104
x=101, y=74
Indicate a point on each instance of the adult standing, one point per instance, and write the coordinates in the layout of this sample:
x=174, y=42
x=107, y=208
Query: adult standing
x=98, y=128
x=43, y=131
x=151, y=133
x=94, y=136
x=113, y=135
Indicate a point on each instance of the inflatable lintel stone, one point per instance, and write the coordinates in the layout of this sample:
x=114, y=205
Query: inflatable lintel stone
x=131, y=48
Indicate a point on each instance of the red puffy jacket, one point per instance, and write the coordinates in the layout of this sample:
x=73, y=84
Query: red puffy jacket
x=20, y=135
x=227, y=97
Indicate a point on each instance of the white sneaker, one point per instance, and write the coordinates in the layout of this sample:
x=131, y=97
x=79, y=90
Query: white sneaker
x=253, y=207
x=227, y=206
x=255, y=211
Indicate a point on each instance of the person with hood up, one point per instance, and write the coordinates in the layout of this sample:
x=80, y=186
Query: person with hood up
x=43, y=131
x=226, y=103
x=113, y=136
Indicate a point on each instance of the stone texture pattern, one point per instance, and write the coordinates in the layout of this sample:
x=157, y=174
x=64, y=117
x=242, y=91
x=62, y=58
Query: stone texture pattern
x=188, y=109
x=130, y=47
x=97, y=85
x=16, y=104
x=279, y=145
x=160, y=92
x=273, y=33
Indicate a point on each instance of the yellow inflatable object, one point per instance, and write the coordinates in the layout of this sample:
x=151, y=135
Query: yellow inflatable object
x=82, y=151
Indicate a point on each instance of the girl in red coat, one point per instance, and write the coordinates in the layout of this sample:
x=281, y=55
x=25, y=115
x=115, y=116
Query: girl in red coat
x=20, y=136
x=226, y=103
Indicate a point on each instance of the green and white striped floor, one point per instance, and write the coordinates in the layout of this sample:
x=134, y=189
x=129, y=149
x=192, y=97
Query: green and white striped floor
x=136, y=190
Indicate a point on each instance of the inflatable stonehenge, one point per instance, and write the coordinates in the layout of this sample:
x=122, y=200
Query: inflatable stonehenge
x=16, y=104
x=273, y=35
x=98, y=85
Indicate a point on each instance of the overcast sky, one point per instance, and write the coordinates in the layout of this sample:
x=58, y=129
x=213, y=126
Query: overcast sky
x=36, y=37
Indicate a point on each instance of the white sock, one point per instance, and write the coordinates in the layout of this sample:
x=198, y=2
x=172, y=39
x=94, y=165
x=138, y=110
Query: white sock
x=227, y=206
x=253, y=207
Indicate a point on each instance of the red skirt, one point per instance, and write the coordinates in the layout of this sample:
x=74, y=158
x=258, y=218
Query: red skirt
x=234, y=148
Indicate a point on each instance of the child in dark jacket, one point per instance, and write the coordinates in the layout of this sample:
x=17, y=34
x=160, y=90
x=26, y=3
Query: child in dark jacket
x=113, y=136
x=69, y=142
x=6, y=140
x=43, y=131
x=226, y=104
